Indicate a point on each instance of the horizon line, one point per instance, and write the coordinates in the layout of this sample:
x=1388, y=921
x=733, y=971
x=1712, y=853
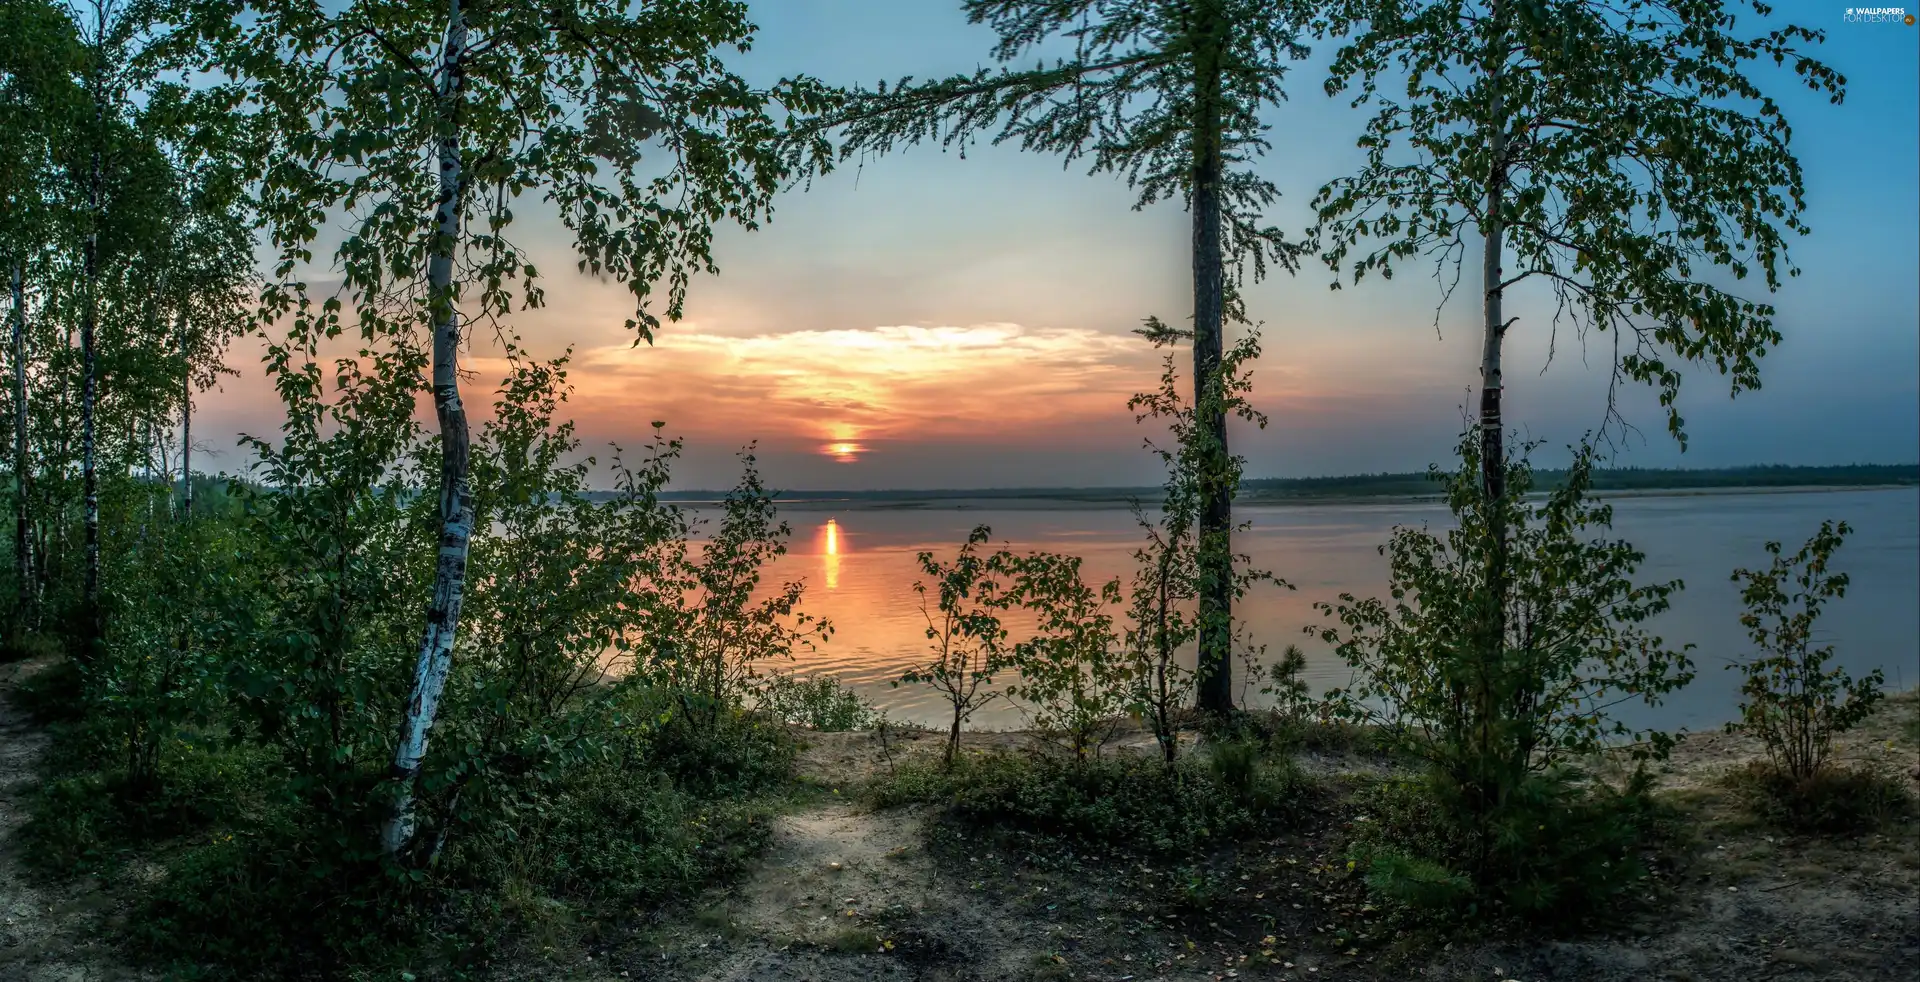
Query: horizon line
x=1110, y=489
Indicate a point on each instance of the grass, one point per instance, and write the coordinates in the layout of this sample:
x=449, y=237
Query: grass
x=1841, y=800
x=855, y=941
x=1116, y=803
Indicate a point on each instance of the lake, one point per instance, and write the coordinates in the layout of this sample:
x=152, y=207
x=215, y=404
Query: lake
x=858, y=563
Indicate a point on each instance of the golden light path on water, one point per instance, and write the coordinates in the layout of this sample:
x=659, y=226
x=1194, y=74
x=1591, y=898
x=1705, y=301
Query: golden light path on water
x=858, y=562
x=832, y=557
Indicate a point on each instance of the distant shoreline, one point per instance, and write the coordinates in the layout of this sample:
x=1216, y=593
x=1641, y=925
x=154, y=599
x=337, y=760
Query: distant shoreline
x=1041, y=501
x=1385, y=488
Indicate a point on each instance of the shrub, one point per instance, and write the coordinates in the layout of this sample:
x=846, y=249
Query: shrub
x=1072, y=671
x=616, y=838
x=178, y=607
x=22, y=645
x=714, y=623
x=817, y=702
x=730, y=755
x=1499, y=707
x=85, y=820
x=1182, y=561
x=1794, y=702
x=967, y=642
x=1119, y=804
x=1564, y=850
x=304, y=895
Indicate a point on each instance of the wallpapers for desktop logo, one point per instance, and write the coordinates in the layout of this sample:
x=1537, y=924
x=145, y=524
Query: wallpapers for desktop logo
x=1878, y=15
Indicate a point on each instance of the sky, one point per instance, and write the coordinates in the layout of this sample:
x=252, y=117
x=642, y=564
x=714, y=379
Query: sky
x=927, y=321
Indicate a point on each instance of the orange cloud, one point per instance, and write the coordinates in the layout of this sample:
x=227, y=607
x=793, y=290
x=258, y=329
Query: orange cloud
x=838, y=388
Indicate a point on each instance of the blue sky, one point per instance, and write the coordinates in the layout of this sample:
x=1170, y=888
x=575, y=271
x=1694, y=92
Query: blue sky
x=965, y=322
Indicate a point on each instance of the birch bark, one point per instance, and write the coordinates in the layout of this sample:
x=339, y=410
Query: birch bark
x=89, y=478
x=456, y=501
x=21, y=568
x=186, y=424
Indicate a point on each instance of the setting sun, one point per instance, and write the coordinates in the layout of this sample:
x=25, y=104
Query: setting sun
x=845, y=453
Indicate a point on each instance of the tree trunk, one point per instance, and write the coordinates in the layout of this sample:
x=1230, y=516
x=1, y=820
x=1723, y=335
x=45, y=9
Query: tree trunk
x=186, y=424
x=22, y=570
x=953, y=739
x=89, y=479
x=1491, y=650
x=456, y=502
x=1215, y=660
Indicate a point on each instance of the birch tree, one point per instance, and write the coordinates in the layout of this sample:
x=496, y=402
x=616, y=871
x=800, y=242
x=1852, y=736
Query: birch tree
x=1167, y=94
x=109, y=166
x=209, y=262
x=1619, y=151
x=623, y=119
x=38, y=57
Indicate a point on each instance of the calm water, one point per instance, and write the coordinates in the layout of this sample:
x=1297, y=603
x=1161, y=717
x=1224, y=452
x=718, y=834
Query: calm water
x=859, y=568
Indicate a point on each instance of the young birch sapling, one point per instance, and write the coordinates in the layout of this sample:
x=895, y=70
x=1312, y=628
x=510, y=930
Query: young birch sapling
x=964, y=631
x=1795, y=701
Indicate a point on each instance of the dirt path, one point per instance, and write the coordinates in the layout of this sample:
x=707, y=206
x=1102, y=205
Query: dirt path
x=47, y=934
x=849, y=894
x=846, y=893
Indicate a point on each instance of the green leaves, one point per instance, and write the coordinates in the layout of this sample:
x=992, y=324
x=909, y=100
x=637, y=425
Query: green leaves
x=346, y=101
x=967, y=643
x=1127, y=103
x=1073, y=669
x=1487, y=714
x=1643, y=168
x=1794, y=702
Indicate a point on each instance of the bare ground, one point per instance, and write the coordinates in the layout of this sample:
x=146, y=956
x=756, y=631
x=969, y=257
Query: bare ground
x=48, y=932
x=848, y=893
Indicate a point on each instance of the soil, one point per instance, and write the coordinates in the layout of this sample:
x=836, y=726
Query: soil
x=849, y=893
x=49, y=932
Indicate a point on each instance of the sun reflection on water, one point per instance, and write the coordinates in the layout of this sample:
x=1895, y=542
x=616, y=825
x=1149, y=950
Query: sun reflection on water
x=832, y=553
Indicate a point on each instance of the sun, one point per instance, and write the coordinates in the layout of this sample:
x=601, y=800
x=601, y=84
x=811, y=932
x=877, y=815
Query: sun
x=845, y=453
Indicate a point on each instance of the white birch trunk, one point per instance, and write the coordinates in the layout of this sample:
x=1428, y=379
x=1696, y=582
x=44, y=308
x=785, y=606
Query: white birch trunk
x=456, y=503
x=22, y=571
x=89, y=478
x=1492, y=450
x=186, y=422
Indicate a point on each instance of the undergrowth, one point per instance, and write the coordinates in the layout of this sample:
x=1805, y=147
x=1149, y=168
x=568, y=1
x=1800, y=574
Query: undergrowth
x=1119, y=804
x=1564, y=851
x=261, y=883
x=1835, y=800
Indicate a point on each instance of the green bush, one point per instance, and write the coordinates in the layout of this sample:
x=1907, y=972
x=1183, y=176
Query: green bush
x=667, y=811
x=1496, y=663
x=83, y=820
x=301, y=896
x=1564, y=849
x=1118, y=804
x=27, y=645
x=616, y=838
x=1796, y=702
x=817, y=702
x=732, y=753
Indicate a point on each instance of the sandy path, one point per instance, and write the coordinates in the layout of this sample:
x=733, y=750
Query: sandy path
x=846, y=893
x=46, y=932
